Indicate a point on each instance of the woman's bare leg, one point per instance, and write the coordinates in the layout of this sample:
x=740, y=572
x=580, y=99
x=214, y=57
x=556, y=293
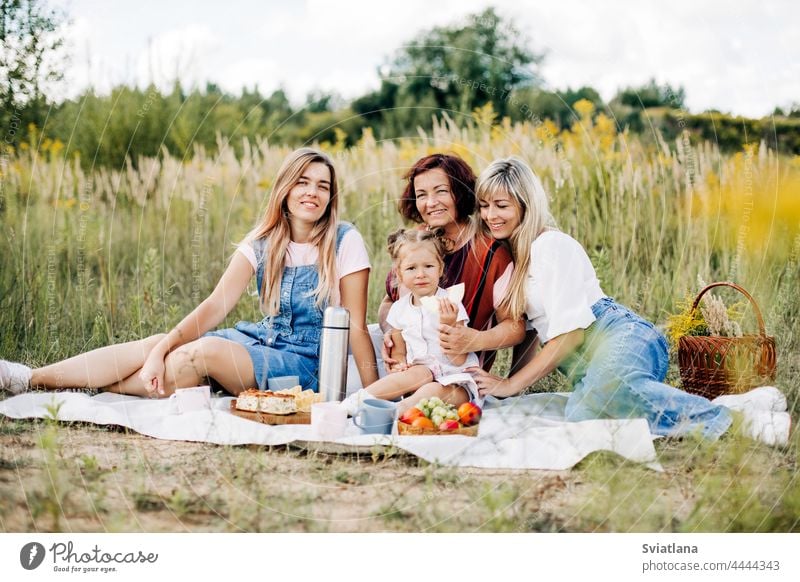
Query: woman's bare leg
x=227, y=362
x=452, y=394
x=97, y=368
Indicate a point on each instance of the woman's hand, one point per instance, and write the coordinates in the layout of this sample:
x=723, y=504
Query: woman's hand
x=386, y=352
x=152, y=373
x=448, y=312
x=457, y=339
x=491, y=385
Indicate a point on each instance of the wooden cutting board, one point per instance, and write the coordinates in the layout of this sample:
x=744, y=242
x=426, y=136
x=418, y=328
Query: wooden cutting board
x=266, y=418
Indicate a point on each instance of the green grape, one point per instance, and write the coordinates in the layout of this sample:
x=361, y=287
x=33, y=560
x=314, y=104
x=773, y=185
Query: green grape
x=437, y=420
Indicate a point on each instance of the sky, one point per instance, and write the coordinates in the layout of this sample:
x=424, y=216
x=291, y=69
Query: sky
x=740, y=57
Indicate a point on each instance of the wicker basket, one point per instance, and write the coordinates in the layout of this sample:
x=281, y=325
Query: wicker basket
x=712, y=365
x=408, y=430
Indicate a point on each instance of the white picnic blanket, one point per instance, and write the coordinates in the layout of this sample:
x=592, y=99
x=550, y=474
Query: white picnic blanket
x=528, y=432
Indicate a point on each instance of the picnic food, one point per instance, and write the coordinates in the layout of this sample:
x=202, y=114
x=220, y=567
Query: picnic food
x=469, y=413
x=454, y=294
x=274, y=403
x=435, y=413
x=422, y=422
x=286, y=401
x=411, y=415
x=305, y=398
x=449, y=425
x=433, y=416
x=437, y=410
x=248, y=400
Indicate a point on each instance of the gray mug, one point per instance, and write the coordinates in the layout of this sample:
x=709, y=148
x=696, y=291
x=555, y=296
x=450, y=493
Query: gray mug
x=376, y=416
x=282, y=382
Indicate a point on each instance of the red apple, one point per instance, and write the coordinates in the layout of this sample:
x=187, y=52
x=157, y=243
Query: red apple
x=469, y=413
x=410, y=415
x=449, y=425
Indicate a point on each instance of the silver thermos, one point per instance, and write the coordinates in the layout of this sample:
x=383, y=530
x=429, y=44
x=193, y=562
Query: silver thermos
x=333, y=348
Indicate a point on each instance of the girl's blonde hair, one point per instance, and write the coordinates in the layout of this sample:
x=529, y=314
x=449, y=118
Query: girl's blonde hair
x=274, y=228
x=406, y=237
x=514, y=177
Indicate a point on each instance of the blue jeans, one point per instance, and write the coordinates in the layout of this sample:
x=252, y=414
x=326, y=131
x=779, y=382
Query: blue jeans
x=618, y=372
x=286, y=344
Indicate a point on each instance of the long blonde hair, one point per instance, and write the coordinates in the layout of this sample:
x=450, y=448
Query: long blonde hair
x=274, y=228
x=514, y=177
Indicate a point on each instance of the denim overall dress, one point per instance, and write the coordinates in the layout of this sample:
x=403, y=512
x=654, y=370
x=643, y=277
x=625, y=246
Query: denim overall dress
x=286, y=344
x=618, y=372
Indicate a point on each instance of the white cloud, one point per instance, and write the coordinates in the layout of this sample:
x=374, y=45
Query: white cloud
x=741, y=57
x=189, y=53
x=248, y=72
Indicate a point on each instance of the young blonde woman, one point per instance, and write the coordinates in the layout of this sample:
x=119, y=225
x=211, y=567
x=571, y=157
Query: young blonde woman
x=615, y=360
x=303, y=258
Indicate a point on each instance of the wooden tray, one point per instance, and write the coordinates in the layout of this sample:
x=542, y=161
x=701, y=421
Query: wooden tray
x=404, y=429
x=266, y=418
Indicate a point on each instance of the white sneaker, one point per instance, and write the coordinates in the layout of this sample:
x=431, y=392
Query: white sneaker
x=352, y=402
x=762, y=398
x=14, y=378
x=766, y=426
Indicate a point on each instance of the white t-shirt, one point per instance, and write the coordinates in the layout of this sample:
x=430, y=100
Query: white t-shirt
x=420, y=330
x=561, y=286
x=351, y=257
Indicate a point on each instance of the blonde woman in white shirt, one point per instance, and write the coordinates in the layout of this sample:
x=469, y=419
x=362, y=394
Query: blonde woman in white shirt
x=615, y=359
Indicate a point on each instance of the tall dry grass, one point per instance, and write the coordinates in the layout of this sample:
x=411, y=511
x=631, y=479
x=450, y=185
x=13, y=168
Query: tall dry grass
x=91, y=257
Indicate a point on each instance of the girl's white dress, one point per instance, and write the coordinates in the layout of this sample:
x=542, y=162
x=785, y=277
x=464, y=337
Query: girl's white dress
x=420, y=330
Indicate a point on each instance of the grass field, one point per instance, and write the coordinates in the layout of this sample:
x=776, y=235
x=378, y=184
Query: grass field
x=91, y=257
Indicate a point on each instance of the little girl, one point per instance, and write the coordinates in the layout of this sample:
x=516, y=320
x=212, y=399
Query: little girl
x=423, y=370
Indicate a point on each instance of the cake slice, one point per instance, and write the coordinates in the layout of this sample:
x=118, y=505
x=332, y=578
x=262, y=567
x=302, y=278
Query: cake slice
x=273, y=403
x=248, y=400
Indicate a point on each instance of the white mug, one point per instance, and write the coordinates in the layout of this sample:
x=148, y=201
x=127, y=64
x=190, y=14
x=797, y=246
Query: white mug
x=189, y=399
x=328, y=420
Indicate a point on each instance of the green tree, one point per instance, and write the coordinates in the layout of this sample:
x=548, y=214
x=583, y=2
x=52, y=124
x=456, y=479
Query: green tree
x=531, y=102
x=652, y=95
x=629, y=104
x=29, y=48
x=455, y=69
